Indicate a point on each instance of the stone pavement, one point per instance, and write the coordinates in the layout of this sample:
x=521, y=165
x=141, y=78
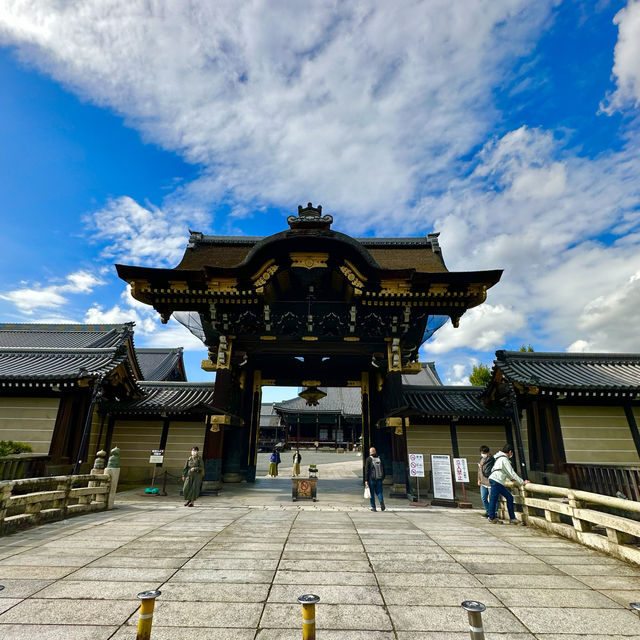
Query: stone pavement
x=232, y=568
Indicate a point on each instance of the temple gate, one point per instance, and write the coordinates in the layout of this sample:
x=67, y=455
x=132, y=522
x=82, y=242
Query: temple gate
x=309, y=307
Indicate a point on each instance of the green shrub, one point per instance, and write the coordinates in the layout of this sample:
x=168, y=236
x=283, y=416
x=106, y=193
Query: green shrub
x=7, y=447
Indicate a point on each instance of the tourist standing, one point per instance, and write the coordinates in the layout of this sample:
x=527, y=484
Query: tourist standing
x=274, y=461
x=374, y=474
x=297, y=459
x=483, y=481
x=192, y=477
x=503, y=472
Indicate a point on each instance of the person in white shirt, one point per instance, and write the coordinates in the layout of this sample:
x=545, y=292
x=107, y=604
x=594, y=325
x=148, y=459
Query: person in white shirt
x=503, y=472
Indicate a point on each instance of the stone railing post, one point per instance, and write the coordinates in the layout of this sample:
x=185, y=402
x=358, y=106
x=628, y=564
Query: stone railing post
x=579, y=525
x=98, y=470
x=63, y=503
x=5, y=495
x=113, y=470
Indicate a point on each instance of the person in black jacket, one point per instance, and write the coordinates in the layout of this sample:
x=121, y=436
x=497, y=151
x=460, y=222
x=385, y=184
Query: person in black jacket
x=374, y=474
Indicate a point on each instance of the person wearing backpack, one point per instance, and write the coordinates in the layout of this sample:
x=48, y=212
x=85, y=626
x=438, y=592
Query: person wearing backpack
x=501, y=473
x=483, y=480
x=374, y=474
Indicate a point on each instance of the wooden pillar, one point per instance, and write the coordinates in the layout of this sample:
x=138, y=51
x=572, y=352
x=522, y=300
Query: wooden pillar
x=366, y=426
x=400, y=455
x=212, y=455
x=252, y=424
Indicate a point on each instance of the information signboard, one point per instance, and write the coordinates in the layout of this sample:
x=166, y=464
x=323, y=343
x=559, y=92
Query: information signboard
x=442, y=482
x=157, y=456
x=416, y=465
x=461, y=470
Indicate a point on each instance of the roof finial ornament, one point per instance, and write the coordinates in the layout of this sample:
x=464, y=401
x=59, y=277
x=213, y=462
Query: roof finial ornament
x=310, y=217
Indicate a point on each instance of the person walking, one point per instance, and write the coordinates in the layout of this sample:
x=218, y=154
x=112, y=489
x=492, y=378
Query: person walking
x=374, y=474
x=297, y=459
x=503, y=472
x=192, y=477
x=274, y=461
x=483, y=481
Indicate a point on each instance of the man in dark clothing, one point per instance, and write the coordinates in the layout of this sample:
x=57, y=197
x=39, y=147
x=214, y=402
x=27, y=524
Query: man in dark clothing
x=374, y=473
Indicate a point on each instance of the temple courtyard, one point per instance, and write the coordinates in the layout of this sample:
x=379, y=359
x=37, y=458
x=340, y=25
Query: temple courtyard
x=233, y=567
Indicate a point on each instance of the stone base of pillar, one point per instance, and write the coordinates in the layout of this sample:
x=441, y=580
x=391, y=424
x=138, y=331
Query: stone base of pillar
x=251, y=473
x=114, y=472
x=398, y=491
x=212, y=486
x=232, y=477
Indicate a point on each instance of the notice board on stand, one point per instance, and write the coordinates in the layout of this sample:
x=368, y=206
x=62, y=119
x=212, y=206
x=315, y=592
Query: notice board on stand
x=441, y=481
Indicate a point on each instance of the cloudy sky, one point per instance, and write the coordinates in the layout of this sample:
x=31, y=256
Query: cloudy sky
x=511, y=127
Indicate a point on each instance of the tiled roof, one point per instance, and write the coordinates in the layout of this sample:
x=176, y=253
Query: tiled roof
x=268, y=415
x=157, y=364
x=64, y=336
x=426, y=378
x=57, y=364
x=571, y=370
x=344, y=400
x=168, y=397
x=443, y=402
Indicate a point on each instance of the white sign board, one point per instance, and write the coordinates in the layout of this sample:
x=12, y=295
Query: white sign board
x=461, y=470
x=416, y=465
x=441, y=471
x=157, y=456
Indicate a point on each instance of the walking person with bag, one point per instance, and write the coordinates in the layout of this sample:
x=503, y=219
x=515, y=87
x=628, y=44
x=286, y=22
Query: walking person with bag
x=501, y=473
x=374, y=474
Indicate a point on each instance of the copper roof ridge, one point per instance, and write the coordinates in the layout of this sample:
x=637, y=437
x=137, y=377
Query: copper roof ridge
x=567, y=355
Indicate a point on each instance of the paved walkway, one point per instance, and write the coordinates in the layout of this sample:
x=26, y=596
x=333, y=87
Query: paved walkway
x=232, y=568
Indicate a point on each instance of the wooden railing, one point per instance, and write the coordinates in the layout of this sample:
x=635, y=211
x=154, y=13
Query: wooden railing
x=609, y=481
x=22, y=465
x=24, y=503
x=601, y=522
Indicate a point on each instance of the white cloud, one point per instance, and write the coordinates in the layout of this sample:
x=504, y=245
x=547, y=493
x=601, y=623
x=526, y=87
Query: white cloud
x=29, y=298
x=137, y=234
x=481, y=328
x=289, y=102
x=627, y=53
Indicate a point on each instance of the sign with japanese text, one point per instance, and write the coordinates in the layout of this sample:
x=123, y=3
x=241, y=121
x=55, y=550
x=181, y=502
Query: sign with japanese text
x=416, y=465
x=442, y=482
x=461, y=470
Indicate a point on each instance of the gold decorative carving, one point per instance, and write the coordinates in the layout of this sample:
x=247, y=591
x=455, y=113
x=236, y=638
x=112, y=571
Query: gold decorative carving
x=351, y=266
x=311, y=383
x=309, y=260
x=223, y=285
x=268, y=337
x=394, y=286
x=220, y=419
x=364, y=384
x=269, y=382
x=223, y=360
x=208, y=365
x=309, y=338
x=257, y=381
x=356, y=282
x=438, y=289
x=394, y=355
x=352, y=339
x=264, y=274
x=179, y=286
x=353, y=383
x=412, y=368
x=138, y=286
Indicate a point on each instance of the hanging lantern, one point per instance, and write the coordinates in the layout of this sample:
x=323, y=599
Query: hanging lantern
x=312, y=395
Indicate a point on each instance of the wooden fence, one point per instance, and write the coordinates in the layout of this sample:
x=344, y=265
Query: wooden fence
x=22, y=465
x=601, y=522
x=609, y=481
x=31, y=501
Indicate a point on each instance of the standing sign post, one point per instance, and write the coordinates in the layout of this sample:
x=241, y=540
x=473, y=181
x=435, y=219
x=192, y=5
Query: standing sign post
x=416, y=468
x=461, y=471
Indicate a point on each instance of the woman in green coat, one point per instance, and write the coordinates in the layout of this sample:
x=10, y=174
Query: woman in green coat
x=192, y=477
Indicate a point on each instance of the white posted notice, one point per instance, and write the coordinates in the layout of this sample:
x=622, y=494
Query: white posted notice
x=442, y=482
x=416, y=465
x=461, y=470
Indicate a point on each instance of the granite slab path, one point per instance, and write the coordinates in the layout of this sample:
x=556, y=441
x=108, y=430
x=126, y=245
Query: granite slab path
x=232, y=569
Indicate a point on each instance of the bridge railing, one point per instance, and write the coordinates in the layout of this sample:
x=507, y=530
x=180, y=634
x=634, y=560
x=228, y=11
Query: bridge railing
x=608, y=480
x=598, y=521
x=31, y=501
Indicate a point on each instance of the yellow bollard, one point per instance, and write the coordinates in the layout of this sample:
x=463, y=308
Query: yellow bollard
x=146, y=613
x=308, y=602
x=474, y=609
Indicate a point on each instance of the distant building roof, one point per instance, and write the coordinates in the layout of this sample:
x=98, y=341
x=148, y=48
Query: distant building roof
x=448, y=402
x=268, y=415
x=344, y=400
x=570, y=370
x=427, y=377
x=168, y=397
x=162, y=364
x=64, y=336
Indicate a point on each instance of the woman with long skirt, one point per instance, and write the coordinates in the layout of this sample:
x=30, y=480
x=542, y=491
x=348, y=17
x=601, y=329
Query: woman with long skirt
x=192, y=477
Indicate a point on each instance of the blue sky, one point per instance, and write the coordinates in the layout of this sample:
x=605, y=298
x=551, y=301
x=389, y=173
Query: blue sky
x=512, y=128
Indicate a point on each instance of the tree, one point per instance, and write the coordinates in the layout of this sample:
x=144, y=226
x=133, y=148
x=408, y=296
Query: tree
x=480, y=375
x=526, y=348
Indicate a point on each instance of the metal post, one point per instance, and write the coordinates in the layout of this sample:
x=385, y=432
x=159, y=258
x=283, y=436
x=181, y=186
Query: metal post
x=145, y=621
x=635, y=606
x=308, y=602
x=474, y=609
